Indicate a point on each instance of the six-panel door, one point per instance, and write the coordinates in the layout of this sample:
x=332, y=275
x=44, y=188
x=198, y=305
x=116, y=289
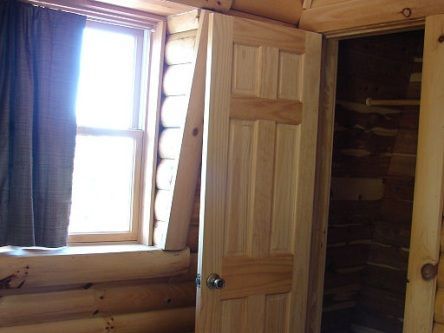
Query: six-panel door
x=258, y=176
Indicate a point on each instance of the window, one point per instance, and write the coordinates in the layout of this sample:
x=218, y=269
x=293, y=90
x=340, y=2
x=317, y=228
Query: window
x=108, y=164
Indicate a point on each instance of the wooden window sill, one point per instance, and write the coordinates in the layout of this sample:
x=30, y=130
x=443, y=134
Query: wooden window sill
x=35, y=268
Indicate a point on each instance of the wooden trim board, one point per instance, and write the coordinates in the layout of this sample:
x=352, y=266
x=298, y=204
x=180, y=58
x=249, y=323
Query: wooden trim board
x=186, y=176
x=359, y=16
x=322, y=185
x=428, y=195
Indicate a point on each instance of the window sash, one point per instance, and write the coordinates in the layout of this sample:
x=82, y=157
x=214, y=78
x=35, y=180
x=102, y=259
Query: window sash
x=135, y=223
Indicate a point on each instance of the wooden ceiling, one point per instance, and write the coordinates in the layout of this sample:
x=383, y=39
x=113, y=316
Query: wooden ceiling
x=334, y=17
x=288, y=11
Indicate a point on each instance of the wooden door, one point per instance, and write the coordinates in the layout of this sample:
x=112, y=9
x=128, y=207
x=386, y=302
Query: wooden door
x=258, y=176
x=428, y=197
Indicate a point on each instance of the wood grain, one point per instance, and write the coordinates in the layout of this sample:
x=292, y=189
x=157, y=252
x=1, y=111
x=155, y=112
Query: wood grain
x=353, y=15
x=44, y=270
x=144, y=322
x=428, y=195
x=246, y=276
x=285, y=112
x=185, y=177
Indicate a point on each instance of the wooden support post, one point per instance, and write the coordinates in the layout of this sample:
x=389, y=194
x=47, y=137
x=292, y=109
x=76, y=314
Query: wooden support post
x=322, y=185
x=428, y=196
x=186, y=175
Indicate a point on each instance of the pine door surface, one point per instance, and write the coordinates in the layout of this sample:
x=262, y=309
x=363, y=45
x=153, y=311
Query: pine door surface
x=258, y=176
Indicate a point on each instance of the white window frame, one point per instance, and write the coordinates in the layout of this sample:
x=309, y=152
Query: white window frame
x=150, y=50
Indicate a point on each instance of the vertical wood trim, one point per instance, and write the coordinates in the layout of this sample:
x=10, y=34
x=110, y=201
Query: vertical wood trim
x=428, y=195
x=186, y=176
x=322, y=185
x=214, y=167
x=151, y=138
x=305, y=188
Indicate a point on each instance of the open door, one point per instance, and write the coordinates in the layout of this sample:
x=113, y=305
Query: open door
x=257, y=176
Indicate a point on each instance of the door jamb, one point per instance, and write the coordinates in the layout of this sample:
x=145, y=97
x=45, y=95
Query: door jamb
x=324, y=152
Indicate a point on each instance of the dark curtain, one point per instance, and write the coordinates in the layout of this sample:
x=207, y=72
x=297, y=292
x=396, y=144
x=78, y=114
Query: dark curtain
x=39, y=65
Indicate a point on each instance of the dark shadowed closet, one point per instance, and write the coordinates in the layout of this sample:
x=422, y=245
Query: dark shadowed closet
x=374, y=156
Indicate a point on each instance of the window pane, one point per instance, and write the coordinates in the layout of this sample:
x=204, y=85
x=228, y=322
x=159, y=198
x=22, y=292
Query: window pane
x=102, y=184
x=107, y=79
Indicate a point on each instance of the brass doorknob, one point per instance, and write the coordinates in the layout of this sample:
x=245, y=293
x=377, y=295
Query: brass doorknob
x=214, y=281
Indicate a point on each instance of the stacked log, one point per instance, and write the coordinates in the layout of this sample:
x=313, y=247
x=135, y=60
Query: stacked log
x=129, y=290
x=179, y=54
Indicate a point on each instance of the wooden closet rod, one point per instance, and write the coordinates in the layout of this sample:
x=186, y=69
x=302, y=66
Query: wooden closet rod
x=392, y=102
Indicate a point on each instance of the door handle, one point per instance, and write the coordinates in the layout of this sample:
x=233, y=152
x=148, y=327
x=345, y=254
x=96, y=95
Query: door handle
x=214, y=281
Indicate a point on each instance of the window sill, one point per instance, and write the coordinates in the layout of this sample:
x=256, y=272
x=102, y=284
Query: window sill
x=35, y=268
x=75, y=249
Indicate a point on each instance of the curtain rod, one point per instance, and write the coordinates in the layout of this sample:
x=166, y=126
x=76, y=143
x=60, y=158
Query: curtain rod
x=103, y=12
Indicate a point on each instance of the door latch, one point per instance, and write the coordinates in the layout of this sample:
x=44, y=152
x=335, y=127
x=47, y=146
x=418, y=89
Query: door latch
x=197, y=281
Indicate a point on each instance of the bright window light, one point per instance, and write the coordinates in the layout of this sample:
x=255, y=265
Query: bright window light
x=109, y=136
x=106, y=88
x=102, y=190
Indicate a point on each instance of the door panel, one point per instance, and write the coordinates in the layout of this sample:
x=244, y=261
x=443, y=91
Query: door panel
x=258, y=176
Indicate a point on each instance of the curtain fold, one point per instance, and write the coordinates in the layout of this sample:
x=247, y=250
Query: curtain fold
x=39, y=68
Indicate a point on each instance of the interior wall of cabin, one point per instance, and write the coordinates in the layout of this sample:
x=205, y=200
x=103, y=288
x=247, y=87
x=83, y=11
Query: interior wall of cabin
x=119, y=303
x=374, y=156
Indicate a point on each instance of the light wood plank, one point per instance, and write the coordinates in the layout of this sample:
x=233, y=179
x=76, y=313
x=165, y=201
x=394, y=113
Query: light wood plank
x=290, y=80
x=438, y=328
x=251, y=32
x=245, y=276
x=428, y=195
x=276, y=313
x=111, y=12
x=439, y=306
x=98, y=301
x=214, y=167
x=354, y=15
x=306, y=166
x=159, y=7
x=233, y=315
x=255, y=314
x=246, y=61
x=55, y=269
x=262, y=188
x=188, y=166
x=184, y=21
x=269, y=72
x=166, y=321
x=238, y=187
x=285, y=188
x=150, y=153
x=281, y=111
x=286, y=10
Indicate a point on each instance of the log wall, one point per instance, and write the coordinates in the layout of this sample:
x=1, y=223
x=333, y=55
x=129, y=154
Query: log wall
x=178, y=72
x=374, y=158
x=119, y=290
